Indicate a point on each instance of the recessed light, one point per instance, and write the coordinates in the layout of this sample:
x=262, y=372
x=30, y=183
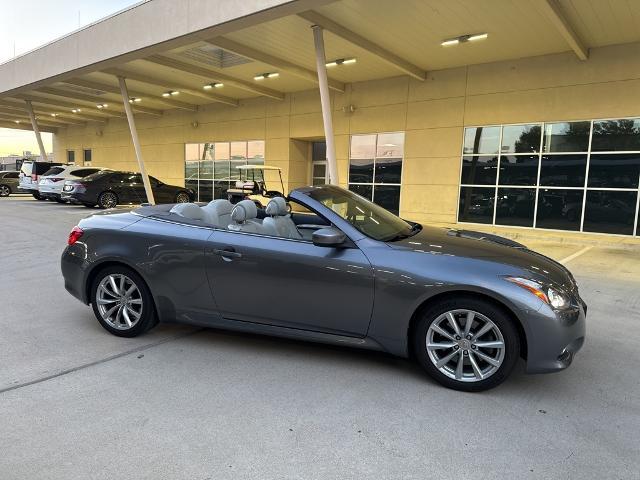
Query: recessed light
x=340, y=61
x=135, y=99
x=100, y=106
x=209, y=86
x=54, y=114
x=262, y=76
x=76, y=110
x=17, y=121
x=170, y=93
x=471, y=37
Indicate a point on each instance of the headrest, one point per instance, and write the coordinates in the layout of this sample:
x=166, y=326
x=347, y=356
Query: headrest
x=219, y=206
x=243, y=211
x=188, y=210
x=277, y=207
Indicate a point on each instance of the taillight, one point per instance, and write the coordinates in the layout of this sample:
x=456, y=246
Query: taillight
x=56, y=179
x=74, y=236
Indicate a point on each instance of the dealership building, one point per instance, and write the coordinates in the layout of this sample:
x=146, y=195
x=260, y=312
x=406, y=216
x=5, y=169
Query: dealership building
x=513, y=116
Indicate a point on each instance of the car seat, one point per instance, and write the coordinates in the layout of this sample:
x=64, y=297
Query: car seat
x=218, y=212
x=278, y=221
x=244, y=218
x=188, y=210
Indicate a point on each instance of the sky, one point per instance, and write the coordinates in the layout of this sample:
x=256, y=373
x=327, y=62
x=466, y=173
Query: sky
x=28, y=24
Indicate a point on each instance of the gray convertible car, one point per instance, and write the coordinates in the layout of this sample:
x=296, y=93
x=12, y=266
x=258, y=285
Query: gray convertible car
x=327, y=265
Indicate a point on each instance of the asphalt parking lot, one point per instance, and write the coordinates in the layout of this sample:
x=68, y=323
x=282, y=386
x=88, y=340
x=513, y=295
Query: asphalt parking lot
x=187, y=403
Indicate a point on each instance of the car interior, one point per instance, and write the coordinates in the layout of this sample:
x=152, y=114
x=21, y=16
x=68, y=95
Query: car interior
x=277, y=219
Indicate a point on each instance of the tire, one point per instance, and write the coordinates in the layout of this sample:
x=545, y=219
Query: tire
x=59, y=200
x=477, y=374
x=122, y=321
x=37, y=195
x=183, y=197
x=5, y=190
x=107, y=200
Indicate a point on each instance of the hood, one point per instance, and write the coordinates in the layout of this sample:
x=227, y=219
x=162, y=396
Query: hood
x=486, y=247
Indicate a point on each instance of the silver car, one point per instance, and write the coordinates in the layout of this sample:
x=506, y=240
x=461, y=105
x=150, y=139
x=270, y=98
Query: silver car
x=327, y=265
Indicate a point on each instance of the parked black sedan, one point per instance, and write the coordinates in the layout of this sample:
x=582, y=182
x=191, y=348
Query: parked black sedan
x=110, y=188
x=9, y=183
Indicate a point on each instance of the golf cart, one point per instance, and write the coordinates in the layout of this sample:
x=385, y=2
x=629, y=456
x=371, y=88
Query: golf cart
x=252, y=185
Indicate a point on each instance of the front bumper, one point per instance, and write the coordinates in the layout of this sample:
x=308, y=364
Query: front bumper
x=555, y=338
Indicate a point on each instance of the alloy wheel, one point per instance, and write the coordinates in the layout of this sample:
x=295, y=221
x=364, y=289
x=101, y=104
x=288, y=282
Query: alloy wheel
x=119, y=301
x=182, y=198
x=465, y=345
x=4, y=191
x=108, y=200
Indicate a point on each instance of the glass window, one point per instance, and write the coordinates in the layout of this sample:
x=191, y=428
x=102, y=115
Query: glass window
x=86, y=156
x=563, y=170
x=610, y=212
x=476, y=204
x=616, y=135
x=520, y=139
x=191, y=151
x=388, y=170
x=71, y=157
x=318, y=151
x=518, y=169
x=191, y=175
x=365, y=191
x=620, y=170
x=566, y=137
x=559, y=209
x=481, y=140
x=363, y=146
x=319, y=173
x=515, y=206
x=387, y=196
x=361, y=170
x=479, y=170
x=255, y=153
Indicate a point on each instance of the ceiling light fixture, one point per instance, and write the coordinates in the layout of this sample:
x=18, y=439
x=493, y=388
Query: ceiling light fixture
x=262, y=76
x=76, y=110
x=54, y=114
x=472, y=37
x=340, y=61
x=209, y=86
x=17, y=121
x=135, y=100
x=170, y=93
x=100, y=106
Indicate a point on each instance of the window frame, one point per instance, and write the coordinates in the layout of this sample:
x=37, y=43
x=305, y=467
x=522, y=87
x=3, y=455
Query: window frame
x=373, y=184
x=537, y=187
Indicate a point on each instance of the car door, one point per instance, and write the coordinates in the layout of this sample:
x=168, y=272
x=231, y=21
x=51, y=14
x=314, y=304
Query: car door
x=290, y=283
x=161, y=192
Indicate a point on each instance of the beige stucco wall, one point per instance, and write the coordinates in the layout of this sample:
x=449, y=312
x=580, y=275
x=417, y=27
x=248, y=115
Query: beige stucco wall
x=432, y=113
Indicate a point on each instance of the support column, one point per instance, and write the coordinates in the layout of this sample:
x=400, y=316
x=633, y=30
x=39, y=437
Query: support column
x=325, y=100
x=34, y=125
x=136, y=141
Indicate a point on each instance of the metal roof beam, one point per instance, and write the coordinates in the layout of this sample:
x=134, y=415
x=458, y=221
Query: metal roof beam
x=136, y=77
x=91, y=99
x=59, y=103
x=401, y=64
x=552, y=10
x=19, y=107
x=80, y=82
x=213, y=75
x=26, y=126
x=25, y=120
x=279, y=63
x=8, y=112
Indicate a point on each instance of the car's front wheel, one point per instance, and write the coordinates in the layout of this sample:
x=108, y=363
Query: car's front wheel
x=37, y=196
x=122, y=302
x=466, y=344
x=5, y=191
x=107, y=200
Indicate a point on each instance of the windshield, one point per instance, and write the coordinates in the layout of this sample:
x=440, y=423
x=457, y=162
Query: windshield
x=369, y=218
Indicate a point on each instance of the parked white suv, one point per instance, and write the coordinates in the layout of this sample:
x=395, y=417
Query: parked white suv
x=30, y=174
x=52, y=181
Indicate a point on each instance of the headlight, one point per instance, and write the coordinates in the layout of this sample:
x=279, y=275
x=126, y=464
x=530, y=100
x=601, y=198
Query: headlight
x=550, y=295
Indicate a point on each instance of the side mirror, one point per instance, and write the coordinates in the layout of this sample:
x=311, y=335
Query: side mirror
x=328, y=237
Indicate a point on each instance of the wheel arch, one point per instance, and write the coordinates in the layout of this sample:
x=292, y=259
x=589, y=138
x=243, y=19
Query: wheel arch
x=456, y=294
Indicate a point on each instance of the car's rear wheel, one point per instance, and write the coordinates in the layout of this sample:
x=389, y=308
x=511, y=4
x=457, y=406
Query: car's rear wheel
x=466, y=344
x=122, y=302
x=183, y=197
x=37, y=196
x=59, y=200
x=5, y=191
x=107, y=200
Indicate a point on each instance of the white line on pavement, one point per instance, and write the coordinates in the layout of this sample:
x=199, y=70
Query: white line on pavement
x=575, y=255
